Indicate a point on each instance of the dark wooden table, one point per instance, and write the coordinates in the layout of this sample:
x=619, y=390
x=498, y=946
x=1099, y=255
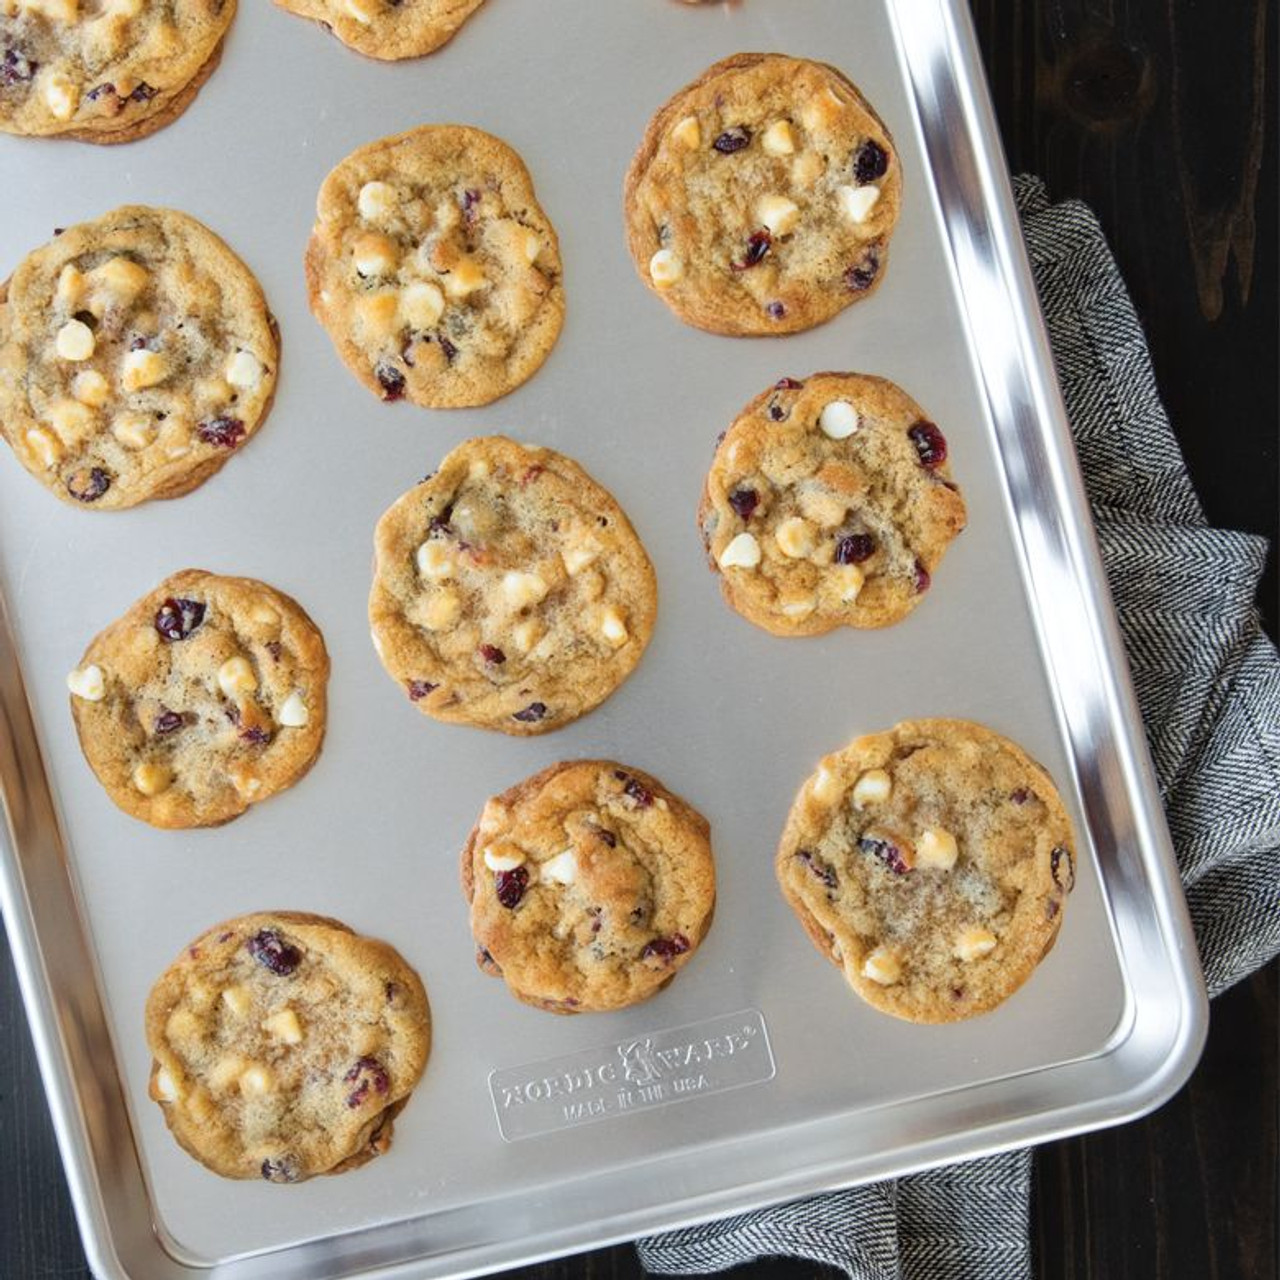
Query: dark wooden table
x=1162, y=115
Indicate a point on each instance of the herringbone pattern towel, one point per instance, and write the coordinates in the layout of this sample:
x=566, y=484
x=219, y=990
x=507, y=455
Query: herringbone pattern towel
x=1208, y=682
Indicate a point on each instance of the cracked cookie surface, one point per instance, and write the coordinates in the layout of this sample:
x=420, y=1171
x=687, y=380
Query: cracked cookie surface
x=208, y=696
x=105, y=70
x=388, y=29
x=829, y=503
x=284, y=1044
x=137, y=355
x=931, y=864
x=763, y=197
x=433, y=268
x=590, y=886
x=510, y=590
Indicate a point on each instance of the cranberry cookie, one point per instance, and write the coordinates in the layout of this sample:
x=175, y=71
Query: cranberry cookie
x=763, y=197
x=388, y=29
x=433, y=268
x=105, y=72
x=208, y=696
x=510, y=591
x=590, y=886
x=931, y=864
x=284, y=1046
x=829, y=503
x=137, y=354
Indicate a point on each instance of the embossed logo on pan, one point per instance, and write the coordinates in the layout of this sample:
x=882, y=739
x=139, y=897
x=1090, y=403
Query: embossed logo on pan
x=693, y=1061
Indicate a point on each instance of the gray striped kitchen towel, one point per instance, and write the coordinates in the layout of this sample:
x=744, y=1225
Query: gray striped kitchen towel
x=1208, y=682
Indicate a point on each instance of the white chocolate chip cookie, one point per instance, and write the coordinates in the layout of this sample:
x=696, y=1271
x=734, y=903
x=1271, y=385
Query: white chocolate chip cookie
x=388, y=29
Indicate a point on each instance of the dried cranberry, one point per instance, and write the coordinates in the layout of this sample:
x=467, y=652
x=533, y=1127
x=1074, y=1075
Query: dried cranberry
x=930, y=444
x=17, y=68
x=531, y=714
x=1061, y=854
x=787, y=384
x=665, y=948
x=607, y=836
x=88, y=485
x=1020, y=796
x=470, y=198
x=757, y=248
x=732, y=140
x=223, y=431
x=168, y=722
x=492, y=654
x=744, y=502
x=281, y=1169
x=391, y=380
x=510, y=886
x=1051, y=908
x=256, y=735
x=418, y=689
x=633, y=788
x=367, y=1073
x=869, y=163
x=888, y=853
x=440, y=523
x=275, y=649
x=143, y=93
x=776, y=311
x=271, y=951
x=862, y=275
x=855, y=548
x=177, y=619
x=450, y=351
x=101, y=91
x=823, y=871
x=530, y=474
x=923, y=579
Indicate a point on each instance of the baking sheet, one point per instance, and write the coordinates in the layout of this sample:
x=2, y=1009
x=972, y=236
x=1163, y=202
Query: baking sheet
x=726, y=715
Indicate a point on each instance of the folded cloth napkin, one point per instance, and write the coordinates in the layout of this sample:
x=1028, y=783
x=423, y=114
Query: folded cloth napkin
x=1208, y=683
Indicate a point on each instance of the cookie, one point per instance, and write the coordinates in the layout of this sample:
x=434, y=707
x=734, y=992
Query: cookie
x=763, y=197
x=829, y=503
x=208, y=696
x=388, y=29
x=284, y=1044
x=137, y=354
x=590, y=886
x=107, y=73
x=510, y=591
x=433, y=268
x=931, y=864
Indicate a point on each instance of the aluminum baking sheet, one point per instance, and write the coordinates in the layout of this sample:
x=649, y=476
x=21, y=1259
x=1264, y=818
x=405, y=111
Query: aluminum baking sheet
x=757, y=1074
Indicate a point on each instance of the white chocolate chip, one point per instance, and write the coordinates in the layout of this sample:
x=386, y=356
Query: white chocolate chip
x=133, y=430
x=526, y=634
x=849, y=582
x=532, y=246
x=363, y=11
x=264, y=615
x=256, y=1079
x=975, y=942
x=665, y=269
x=294, y=713
x=800, y=608
x=581, y=554
x=71, y=420
x=284, y=1026
x=378, y=314
x=91, y=388
x=937, y=848
x=795, y=537
x=825, y=787
x=613, y=628
x=376, y=201
x=143, y=368
x=235, y=676
x=856, y=203
x=226, y=1071
x=743, y=552
x=244, y=370
x=778, y=213
x=75, y=341
x=88, y=683
x=823, y=508
x=465, y=279
x=562, y=869
x=504, y=857
x=435, y=560
x=45, y=447
x=839, y=420
x=523, y=589
x=151, y=779
x=873, y=787
x=245, y=781
x=778, y=139
x=821, y=111
x=882, y=966
x=166, y=1087
x=238, y=999
x=421, y=304
x=687, y=133
x=70, y=288
x=117, y=280
x=374, y=255
x=61, y=96
x=443, y=611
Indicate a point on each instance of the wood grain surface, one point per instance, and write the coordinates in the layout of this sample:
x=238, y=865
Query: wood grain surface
x=1162, y=115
